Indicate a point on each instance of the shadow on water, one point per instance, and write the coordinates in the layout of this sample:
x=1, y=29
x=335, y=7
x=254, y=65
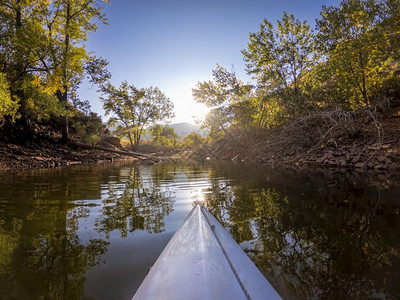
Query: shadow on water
x=92, y=231
x=314, y=234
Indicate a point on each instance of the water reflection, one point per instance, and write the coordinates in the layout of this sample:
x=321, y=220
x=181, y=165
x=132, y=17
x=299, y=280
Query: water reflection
x=55, y=225
x=315, y=236
x=93, y=231
x=41, y=255
x=136, y=202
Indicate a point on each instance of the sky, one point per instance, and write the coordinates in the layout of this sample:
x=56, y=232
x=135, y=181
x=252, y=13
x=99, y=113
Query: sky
x=176, y=43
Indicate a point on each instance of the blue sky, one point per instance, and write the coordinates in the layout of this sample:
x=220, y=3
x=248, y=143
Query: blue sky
x=174, y=44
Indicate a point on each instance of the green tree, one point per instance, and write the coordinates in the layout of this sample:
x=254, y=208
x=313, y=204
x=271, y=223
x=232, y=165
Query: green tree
x=135, y=109
x=88, y=127
x=279, y=57
x=358, y=44
x=193, y=140
x=164, y=135
x=43, y=56
x=221, y=94
x=22, y=39
x=68, y=24
x=8, y=106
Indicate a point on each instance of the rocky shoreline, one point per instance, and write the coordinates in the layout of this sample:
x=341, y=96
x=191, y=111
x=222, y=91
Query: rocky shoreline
x=287, y=145
x=45, y=154
x=378, y=158
x=299, y=147
x=359, y=157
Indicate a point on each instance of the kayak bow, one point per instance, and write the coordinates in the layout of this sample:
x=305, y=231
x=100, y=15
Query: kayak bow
x=202, y=261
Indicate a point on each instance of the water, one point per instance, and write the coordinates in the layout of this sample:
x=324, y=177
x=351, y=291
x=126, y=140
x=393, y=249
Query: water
x=92, y=232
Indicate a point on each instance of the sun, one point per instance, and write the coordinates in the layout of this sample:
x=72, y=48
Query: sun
x=185, y=107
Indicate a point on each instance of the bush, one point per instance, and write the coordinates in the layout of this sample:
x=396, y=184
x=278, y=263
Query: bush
x=88, y=127
x=193, y=140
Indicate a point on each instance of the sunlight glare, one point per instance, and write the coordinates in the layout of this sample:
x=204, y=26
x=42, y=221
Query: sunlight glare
x=186, y=108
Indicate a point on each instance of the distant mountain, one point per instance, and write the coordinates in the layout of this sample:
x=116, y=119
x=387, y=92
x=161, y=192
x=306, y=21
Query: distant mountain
x=184, y=129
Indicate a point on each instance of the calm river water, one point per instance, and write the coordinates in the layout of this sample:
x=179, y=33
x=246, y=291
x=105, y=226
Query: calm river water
x=92, y=232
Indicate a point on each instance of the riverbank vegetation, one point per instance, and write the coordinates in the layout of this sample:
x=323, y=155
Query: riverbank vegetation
x=135, y=109
x=351, y=62
x=329, y=89
x=44, y=60
x=323, y=87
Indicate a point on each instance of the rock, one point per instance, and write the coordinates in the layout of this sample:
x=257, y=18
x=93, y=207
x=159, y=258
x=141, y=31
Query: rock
x=381, y=158
x=332, y=162
x=381, y=177
x=356, y=159
x=379, y=167
x=148, y=162
x=359, y=165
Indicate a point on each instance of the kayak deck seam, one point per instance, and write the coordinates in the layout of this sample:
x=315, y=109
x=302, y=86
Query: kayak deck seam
x=226, y=254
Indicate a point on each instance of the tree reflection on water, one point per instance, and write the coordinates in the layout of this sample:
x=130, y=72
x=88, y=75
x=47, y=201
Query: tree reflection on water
x=41, y=255
x=136, y=202
x=321, y=236
x=42, y=251
x=313, y=234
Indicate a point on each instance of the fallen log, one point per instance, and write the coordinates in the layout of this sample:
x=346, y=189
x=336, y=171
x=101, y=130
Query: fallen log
x=127, y=153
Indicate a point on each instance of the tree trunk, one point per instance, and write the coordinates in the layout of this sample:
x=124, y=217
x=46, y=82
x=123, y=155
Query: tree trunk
x=65, y=131
x=26, y=124
x=62, y=97
x=25, y=121
x=136, y=137
x=135, y=144
x=130, y=140
x=364, y=87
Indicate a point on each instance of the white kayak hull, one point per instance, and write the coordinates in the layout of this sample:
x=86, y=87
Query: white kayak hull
x=202, y=261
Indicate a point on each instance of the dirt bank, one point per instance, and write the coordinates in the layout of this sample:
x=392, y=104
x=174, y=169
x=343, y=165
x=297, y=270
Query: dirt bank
x=49, y=154
x=346, y=141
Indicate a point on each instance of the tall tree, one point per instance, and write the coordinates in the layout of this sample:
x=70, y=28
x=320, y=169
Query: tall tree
x=279, y=57
x=43, y=56
x=21, y=35
x=356, y=39
x=68, y=24
x=135, y=109
x=221, y=95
